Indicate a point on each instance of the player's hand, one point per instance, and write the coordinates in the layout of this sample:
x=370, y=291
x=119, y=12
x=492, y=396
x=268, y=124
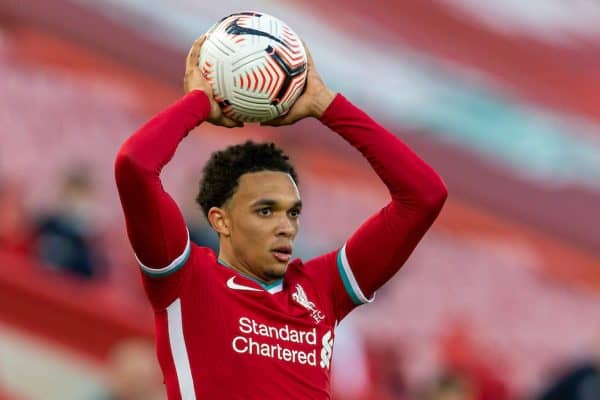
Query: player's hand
x=194, y=80
x=312, y=103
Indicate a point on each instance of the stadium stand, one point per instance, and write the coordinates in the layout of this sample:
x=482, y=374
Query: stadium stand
x=502, y=301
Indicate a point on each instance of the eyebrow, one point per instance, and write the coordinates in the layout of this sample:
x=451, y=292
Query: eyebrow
x=272, y=203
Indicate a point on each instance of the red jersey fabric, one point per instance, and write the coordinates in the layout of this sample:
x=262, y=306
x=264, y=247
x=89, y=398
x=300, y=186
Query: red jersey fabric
x=223, y=335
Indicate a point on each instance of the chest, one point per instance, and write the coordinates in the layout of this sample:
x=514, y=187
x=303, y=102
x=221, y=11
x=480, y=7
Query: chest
x=256, y=328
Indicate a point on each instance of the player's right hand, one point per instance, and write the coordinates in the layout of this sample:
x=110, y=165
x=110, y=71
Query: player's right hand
x=194, y=80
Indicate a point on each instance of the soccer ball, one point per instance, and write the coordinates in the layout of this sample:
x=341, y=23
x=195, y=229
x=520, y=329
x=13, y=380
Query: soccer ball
x=256, y=65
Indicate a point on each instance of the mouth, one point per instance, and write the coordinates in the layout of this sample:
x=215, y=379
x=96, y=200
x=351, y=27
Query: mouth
x=282, y=254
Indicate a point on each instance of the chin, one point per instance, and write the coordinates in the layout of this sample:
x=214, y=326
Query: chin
x=276, y=272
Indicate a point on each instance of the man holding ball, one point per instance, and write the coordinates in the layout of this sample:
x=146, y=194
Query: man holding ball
x=250, y=322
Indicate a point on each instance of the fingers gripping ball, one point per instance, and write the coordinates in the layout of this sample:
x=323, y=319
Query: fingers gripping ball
x=255, y=64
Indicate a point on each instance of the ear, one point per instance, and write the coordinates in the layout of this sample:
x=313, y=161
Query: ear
x=219, y=220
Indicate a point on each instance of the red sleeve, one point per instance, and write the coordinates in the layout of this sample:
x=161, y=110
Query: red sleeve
x=155, y=225
x=377, y=250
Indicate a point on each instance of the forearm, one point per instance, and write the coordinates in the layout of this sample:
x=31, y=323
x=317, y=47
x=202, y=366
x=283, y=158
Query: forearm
x=155, y=226
x=154, y=144
x=409, y=179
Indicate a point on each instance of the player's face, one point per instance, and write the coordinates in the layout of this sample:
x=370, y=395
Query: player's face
x=264, y=217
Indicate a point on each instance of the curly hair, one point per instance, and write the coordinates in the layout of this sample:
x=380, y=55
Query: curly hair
x=222, y=171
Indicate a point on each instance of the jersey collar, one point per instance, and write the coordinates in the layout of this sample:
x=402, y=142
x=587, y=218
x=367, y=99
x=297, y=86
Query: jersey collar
x=272, y=288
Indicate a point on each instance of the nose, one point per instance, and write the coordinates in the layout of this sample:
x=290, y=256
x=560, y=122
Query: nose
x=286, y=227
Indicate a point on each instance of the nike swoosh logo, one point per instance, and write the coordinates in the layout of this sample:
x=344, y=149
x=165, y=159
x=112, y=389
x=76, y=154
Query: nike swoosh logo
x=235, y=29
x=232, y=285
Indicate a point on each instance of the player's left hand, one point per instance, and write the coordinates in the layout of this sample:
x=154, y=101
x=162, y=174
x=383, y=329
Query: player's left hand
x=194, y=80
x=312, y=103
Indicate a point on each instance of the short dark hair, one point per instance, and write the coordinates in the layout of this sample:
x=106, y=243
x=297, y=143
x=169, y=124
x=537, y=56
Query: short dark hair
x=222, y=171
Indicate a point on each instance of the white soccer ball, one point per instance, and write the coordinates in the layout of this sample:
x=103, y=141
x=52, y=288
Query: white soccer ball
x=256, y=65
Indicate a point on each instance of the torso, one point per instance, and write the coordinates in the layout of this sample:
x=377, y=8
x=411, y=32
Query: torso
x=242, y=341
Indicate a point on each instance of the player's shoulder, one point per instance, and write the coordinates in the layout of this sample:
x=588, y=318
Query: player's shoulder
x=202, y=256
x=201, y=267
x=204, y=252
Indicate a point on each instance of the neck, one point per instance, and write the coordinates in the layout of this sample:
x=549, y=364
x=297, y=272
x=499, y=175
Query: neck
x=224, y=260
x=228, y=259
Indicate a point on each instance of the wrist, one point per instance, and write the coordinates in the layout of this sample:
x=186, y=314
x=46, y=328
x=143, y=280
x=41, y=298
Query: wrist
x=322, y=101
x=198, y=103
x=196, y=92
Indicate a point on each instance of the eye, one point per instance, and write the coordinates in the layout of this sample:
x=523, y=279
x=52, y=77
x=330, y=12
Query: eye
x=294, y=213
x=264, y=212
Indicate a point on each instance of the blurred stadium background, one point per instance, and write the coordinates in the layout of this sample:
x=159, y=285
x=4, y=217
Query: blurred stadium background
x=500, y=299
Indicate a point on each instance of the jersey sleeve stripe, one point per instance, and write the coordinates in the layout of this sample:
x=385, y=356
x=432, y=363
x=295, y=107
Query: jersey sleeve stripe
x=349, y=280
x=179, y=351
x=169, y=269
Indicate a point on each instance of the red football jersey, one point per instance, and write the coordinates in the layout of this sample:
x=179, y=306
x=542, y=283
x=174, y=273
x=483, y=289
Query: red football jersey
x=210, y=317
x=222, y=335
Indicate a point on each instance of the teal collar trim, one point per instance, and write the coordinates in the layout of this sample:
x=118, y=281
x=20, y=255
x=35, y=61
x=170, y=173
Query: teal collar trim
x=263, y=285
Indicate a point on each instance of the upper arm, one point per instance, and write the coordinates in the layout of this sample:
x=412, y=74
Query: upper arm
x=383, y=243
x=155, y=225
x=350, y=276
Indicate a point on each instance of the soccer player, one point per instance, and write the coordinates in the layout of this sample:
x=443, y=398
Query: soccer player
x=250, y=322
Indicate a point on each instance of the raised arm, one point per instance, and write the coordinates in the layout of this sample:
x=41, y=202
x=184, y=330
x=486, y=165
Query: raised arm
x=155, y=225
x=382, y=244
